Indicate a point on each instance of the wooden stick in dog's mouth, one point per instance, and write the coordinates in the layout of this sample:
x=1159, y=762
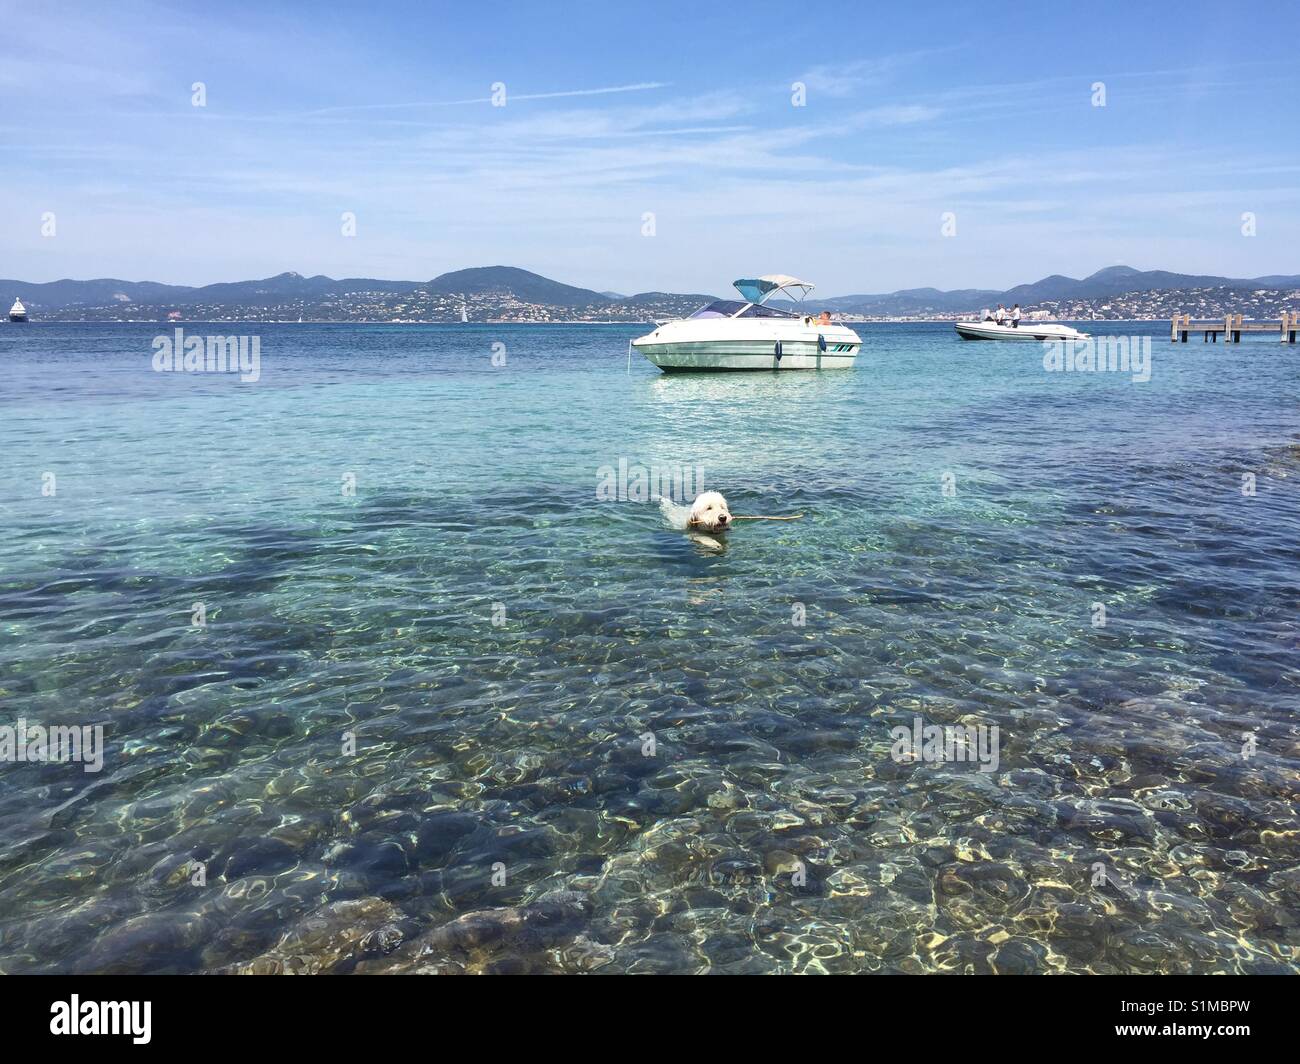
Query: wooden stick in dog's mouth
x=744, y=517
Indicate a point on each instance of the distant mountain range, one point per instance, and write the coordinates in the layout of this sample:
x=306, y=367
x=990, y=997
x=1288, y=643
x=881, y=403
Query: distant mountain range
x=509, y=293
x=523, y=286
x=1112, y=281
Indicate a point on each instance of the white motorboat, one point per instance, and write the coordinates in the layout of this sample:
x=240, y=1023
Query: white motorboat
x=1026, y=330
x=17, y=312
x=747, y=334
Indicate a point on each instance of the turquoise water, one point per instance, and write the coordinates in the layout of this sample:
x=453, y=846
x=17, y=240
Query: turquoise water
x=414, y=733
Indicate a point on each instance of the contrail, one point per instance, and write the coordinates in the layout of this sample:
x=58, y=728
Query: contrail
x=640, y=86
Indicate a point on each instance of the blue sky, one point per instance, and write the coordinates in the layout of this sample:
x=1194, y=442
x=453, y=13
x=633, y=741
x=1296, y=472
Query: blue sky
x=681, y=110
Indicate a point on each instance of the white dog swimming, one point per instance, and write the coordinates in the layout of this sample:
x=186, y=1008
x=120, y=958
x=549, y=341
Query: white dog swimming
x=709, y=512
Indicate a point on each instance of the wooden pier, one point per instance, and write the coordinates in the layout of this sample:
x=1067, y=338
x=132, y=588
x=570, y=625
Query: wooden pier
x=1231, y=327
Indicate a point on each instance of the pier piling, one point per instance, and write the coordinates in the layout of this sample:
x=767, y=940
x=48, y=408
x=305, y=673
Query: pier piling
x=1232, y=326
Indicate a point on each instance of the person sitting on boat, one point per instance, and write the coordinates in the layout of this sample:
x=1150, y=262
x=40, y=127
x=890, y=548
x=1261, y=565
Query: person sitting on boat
x=1015, y=316
x=1001, y=315
x=825, y=318
x=986, y=314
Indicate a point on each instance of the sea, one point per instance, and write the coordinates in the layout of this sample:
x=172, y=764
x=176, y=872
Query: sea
x=380, y=656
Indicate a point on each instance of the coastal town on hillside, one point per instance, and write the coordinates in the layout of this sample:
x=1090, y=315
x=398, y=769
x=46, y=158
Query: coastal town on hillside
x=418, y=307
x=1209, y=303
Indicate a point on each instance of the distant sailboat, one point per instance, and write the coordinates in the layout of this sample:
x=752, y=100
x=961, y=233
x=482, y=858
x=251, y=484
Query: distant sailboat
x=464, y=317
x=17, y=312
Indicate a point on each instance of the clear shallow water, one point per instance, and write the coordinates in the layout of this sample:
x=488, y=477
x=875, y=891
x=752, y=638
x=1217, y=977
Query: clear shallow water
x=519, y=745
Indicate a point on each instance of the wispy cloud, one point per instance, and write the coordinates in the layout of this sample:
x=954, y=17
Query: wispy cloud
x=893, y=115
x=839, y=80
x=641, y=86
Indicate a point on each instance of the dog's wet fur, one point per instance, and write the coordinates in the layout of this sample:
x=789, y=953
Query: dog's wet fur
x=710, y=513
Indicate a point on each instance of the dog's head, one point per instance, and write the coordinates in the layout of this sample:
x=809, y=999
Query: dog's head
x=709, y=512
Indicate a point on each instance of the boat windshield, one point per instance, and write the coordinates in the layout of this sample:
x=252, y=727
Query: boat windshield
x=733, y=308
x=758, y=310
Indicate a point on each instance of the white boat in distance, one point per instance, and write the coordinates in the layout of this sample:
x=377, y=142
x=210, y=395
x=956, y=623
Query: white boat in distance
x=1027, y=330
x=17, y=312
x=749, y=335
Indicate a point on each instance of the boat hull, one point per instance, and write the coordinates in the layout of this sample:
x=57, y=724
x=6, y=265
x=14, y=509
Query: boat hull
x=17, y=319
x=762, y=345
x=736, y=356
x=1028, y=332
